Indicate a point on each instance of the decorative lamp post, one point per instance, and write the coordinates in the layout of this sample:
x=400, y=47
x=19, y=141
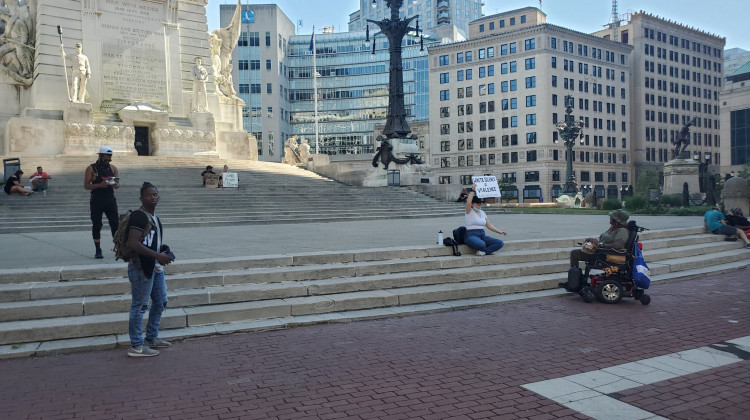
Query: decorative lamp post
x=569, y=130
x=396, y=126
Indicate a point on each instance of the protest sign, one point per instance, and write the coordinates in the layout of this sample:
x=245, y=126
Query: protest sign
x=229, y=180
x=486, y=186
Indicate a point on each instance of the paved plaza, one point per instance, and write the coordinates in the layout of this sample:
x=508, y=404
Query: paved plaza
x=469, y=364
x=49, y=249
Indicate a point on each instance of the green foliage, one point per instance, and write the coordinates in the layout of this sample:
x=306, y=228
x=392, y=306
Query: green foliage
x=673, y=200
x=636, y=202
x=745, y=172
x=646, y=180
x=611, y=204
x=506, y=184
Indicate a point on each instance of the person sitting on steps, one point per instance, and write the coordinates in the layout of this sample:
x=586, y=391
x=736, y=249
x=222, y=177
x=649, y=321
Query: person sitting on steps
x=475, y=221
x=209, y=170
x=13, y=184
x=40, y=180
x=714, y=221
x=738, y=220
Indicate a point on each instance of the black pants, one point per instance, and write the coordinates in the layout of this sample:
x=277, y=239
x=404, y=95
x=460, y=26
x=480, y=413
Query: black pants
x=577, y=255
x=108, y=206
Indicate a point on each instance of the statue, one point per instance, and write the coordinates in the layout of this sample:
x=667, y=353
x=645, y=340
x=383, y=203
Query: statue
x=81, y=72
x=304, y=151
x=17, y=40
x=385, y=154
x=291, y=157
x=222, y=42
x=683, y=140
x=200, y=75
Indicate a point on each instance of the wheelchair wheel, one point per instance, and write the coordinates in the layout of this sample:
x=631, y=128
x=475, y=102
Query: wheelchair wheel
x=645, y=299
x=587, y=296
x=609, y=291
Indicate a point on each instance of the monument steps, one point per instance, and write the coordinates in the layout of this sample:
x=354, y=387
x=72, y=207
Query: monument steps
x=38, y=311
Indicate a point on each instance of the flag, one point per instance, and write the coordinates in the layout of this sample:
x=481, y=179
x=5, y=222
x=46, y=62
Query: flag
x=312, y=42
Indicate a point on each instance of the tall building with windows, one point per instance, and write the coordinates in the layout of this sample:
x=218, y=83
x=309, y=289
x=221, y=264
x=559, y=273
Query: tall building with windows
x=677, y=76
x=496, y=99
x=444, y=18
x=352, y=89
x=735, y=118
x=260, y=74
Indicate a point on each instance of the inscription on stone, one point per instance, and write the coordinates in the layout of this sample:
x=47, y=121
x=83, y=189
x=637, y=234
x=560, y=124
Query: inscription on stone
x=133, y=53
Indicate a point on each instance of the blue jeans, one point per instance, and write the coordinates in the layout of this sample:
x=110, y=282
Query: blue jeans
x=476, y=239
x=143, y=288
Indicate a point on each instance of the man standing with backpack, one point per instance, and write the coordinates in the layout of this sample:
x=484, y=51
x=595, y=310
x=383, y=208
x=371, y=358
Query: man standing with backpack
x=102, y=180
x=146, y=274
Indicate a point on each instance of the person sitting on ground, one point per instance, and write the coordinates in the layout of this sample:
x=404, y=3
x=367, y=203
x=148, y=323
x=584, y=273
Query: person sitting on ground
x=13, y=184
x=221, y=175
x=40, y=180
x=475, y=221
x=738, y=220
x=462, y=197
x=714, y=221
x=209, y=170
x=615, y=238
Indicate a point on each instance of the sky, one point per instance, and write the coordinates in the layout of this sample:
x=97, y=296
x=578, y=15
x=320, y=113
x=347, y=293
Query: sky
x=582, y=15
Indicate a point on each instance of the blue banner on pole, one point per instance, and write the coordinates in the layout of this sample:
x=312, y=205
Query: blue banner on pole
x=312, y=38
x=248, y=16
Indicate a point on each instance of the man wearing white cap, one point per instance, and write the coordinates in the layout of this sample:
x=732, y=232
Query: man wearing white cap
x=102, y=180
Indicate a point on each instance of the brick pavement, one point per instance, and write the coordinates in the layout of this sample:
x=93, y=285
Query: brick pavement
x=462, y=365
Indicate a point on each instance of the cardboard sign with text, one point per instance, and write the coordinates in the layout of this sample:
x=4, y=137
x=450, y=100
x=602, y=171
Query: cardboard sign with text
x=212, y=181
x=229, y=180
x=486, y=186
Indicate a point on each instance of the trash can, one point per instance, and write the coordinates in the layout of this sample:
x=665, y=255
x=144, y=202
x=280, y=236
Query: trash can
x=10, y=166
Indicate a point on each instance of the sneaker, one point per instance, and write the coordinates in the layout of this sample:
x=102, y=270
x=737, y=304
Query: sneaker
x=158, y=343
x=747, y=245
x=480, y=253
x=98, y=255
x=142, y=351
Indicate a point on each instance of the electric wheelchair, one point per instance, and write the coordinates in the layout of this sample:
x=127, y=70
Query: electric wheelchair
x=616, y=279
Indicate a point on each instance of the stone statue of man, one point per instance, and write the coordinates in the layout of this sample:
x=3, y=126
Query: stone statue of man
x=200, y=75
x=81, y=72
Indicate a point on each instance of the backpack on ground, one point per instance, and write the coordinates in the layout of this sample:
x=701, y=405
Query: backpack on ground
x=459, y=234
x=451, y=242
x=121, y=249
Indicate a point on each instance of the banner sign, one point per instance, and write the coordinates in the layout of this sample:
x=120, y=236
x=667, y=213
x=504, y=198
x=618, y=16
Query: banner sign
x=486, y=186
x=229, y=180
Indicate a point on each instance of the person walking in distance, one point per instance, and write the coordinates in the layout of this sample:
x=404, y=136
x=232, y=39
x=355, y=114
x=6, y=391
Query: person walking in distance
x=101, y=178
x=146, y=274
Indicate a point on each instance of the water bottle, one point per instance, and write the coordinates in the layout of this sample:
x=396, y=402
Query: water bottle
x=440, y=237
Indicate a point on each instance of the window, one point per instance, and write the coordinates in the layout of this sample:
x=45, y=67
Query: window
x=469, y=91
x=444, y=112
x=513, y=85
x=482, y=72
x=530, y=119
x=531, y=138
x=444, y=78
x=554, y=81
x=531, y=100
x=244, y=65
x=513, y=66
x=244, y=88
x=531, y=176
x=491, y=70
x=268, y=39
x=490, y=50
x=255, y=88
x=514, y=122
x=512, y=47
x=269, y=88
x=445, y=128
x=460, y=75
x=490, y=88
x=531, y=82
x=443, y=60
x=469, y=74
x=268, y=64
x=529, y=44
x=504, y=68
x=445, y=146
x=482, y=54
x=468, y=56
x=445, y=95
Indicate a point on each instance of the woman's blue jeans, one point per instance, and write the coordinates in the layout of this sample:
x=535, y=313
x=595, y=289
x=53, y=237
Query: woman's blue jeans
x=142, y=289
x=477, y=240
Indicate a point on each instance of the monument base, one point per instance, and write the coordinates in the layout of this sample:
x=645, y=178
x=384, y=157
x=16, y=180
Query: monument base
x=571, y=200
x=677, y=172
x=409, y=174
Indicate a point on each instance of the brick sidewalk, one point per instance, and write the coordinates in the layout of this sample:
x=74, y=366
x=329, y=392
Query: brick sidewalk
x=462, y=365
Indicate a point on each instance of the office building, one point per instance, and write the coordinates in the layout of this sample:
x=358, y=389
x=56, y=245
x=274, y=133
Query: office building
x=496, y=99
x=735, y=118
x=677, y=76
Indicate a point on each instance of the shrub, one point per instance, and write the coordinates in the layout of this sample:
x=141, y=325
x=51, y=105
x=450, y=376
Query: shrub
x=674, y=200
x=636, y=202
x=646, y=180
x=612, y=204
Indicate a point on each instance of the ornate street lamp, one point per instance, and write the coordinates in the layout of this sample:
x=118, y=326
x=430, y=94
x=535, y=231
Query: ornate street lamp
x=569, y=130
x=396, y=126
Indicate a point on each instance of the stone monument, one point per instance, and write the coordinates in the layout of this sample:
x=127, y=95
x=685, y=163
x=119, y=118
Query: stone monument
x=138, y=71
x=736, y=193
x=682, y=169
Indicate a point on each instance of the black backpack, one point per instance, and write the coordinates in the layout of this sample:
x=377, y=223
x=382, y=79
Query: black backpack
x=450, y=242
x=459, y=234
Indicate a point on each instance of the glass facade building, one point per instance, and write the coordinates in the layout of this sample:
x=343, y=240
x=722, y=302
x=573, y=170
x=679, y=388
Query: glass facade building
x=352, y=89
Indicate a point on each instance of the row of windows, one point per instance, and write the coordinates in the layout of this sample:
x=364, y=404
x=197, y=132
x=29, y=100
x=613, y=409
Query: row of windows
x=501, y=23
x=681, y=42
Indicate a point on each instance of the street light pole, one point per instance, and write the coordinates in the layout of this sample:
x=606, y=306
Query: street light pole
x=569, y=130
x=315, y=92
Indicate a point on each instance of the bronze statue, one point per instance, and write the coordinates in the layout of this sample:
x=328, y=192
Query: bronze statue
x=683, y=139
x=385, y=155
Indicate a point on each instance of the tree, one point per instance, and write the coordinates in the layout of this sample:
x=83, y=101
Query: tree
x=646, y=180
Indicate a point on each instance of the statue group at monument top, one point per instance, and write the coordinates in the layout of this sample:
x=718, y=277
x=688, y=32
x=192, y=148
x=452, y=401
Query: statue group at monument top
x=17, y=37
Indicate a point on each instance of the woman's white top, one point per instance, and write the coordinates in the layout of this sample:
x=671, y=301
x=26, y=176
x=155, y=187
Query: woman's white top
x=475, y=219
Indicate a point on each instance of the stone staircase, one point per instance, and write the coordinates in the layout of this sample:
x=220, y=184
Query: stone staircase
x=268, y=193
x=63, y=309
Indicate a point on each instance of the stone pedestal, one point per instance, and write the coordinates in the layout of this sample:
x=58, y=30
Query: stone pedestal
x=736, y=194
x=410, y=174
x=679, y=171
x=202, y=121
x=78, y=113
x=571, y=200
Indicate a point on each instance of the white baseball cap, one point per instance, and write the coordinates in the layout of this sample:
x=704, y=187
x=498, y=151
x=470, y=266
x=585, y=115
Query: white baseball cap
x=105, y=150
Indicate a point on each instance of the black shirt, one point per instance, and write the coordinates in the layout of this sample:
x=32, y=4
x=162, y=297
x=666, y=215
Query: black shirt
x=10, y=183
x=102, y=172
x=138, y=220
x=733, y=220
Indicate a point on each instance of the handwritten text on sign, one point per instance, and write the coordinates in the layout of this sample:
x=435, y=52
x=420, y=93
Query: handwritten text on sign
x=486, y=186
